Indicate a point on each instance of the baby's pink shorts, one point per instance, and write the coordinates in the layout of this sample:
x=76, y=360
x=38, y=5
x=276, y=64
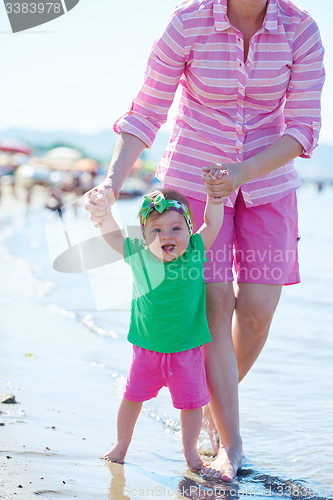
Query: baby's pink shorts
x=261, y=242
x=182, y=372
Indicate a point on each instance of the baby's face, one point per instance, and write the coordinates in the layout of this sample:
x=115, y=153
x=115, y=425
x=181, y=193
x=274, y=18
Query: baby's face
x=167, y=235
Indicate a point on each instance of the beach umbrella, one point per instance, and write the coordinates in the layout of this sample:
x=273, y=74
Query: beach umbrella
x=14, y=146
x=63, y=158
x=64, y=153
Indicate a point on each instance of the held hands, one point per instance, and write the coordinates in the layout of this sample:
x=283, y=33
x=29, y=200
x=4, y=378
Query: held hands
x=98, y=202
x=223, y=185
x=211, y=177
x=214, y=209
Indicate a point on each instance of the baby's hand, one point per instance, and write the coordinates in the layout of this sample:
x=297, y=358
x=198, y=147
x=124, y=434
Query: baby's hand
x=102, y=201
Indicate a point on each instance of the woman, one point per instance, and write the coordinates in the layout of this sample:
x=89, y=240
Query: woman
x=251, y=74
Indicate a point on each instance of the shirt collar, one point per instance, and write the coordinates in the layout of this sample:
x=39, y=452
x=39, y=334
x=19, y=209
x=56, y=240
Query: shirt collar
x=222, y=22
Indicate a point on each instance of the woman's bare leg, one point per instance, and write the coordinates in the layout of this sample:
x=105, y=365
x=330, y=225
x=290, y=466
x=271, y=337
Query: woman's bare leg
x=255, y=307
x=222, y=379
x=127, y=416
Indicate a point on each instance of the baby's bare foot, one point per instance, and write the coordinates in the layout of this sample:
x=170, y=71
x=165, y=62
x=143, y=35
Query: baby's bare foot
x=116, y=454
x=194, y=461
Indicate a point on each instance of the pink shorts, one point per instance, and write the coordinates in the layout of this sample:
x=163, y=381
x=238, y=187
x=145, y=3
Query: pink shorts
x=182, y=372
x=260, y=242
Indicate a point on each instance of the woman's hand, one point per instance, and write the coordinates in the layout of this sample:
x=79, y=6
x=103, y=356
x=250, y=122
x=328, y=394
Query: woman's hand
x=98, y=201
x=233, y=177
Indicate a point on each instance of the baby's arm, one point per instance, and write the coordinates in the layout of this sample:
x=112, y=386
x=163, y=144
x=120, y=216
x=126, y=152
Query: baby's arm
x=213, y=216
x=110, y=230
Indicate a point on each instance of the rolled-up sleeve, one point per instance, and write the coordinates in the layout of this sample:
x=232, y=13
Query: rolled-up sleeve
x=302, y=107
x=165, y=67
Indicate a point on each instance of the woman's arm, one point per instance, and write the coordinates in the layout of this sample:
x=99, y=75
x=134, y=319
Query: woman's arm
x=127, y=150
x=274, y=156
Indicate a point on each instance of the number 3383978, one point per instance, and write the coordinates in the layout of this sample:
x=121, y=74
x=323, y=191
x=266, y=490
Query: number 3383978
x=32, y=8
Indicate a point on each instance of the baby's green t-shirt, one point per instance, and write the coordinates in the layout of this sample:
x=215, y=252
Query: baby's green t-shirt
x=168, y=312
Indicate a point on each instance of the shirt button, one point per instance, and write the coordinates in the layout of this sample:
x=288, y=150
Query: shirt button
x=241, y=91
x=315, y=123
x=239, y=151
x=248, y=65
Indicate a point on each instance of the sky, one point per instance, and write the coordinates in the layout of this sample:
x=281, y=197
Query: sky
x=80, y=72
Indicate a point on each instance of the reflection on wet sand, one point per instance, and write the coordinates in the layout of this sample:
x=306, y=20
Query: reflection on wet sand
x=118, y=482
x=203, y=490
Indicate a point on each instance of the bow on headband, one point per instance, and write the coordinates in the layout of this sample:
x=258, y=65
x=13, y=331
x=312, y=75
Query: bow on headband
x=148, y=204
x=160, y=204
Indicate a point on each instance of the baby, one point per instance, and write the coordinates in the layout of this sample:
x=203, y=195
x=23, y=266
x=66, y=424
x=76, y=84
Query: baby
x=168, y=324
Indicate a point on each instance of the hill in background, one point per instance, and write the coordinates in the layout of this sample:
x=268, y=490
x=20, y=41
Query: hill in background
x=100, y=147
x=97, y=146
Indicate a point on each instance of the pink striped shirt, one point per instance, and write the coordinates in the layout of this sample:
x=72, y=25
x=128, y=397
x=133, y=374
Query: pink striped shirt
x=230, y=110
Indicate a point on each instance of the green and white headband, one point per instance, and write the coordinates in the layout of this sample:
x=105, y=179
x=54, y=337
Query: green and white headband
x=160, y=204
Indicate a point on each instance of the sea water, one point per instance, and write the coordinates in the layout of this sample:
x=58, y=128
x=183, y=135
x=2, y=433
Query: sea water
x=286, y=403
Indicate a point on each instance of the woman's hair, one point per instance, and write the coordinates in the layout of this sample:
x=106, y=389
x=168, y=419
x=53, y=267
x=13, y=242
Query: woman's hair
x=169, y=194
